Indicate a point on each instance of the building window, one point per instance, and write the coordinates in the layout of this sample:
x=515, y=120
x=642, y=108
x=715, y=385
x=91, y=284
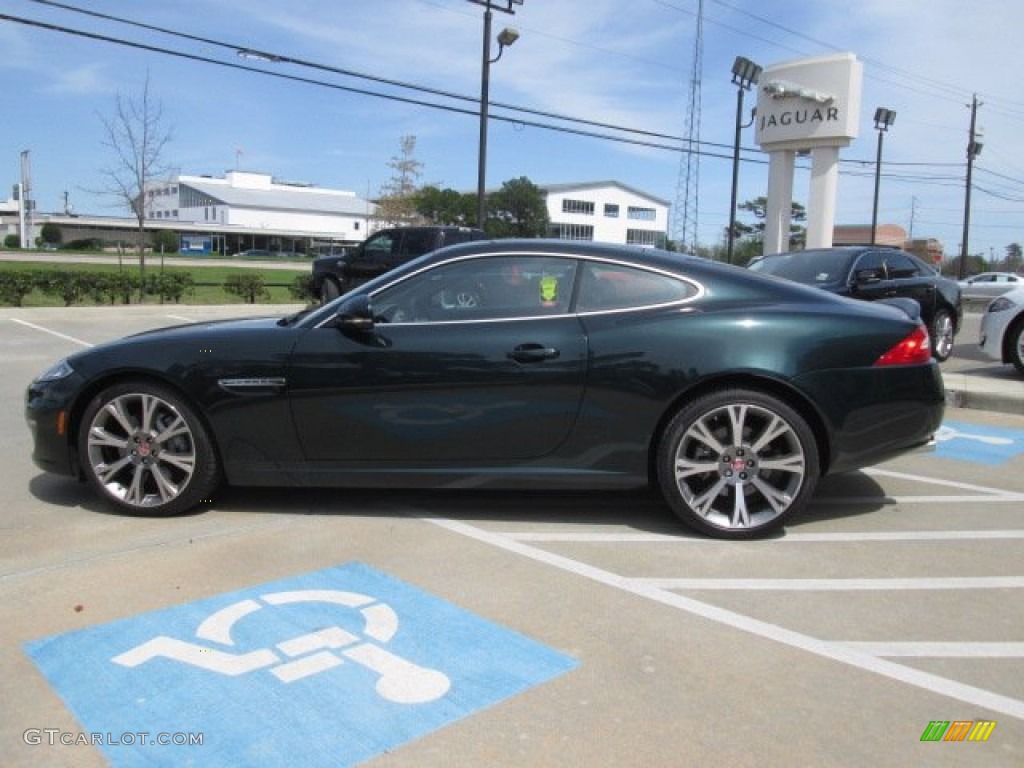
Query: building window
x=611, y=210
x=578, y=206
x=645, y=237
x=355, y=226
x=641, y=214
x=572, y=231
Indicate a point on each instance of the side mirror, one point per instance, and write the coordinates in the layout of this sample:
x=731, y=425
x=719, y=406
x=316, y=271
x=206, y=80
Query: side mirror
x=867, y=276
x=354, y=314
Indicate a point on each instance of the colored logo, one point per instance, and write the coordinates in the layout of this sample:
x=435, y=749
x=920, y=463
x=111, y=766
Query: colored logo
x=958, y=730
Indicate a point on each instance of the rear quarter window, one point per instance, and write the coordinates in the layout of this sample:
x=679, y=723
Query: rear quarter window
x=615, y=286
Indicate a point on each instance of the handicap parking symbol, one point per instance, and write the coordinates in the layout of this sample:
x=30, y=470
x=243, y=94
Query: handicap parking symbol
x=978, y=444
x=323, y=669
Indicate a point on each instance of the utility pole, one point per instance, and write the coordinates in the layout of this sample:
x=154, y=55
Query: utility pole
x=973, y=150
x=25, y=207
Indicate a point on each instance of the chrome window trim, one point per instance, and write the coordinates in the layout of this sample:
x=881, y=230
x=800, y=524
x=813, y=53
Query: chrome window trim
x=699, y=290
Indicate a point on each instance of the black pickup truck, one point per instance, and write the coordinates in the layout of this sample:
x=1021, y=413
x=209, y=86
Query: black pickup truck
x=381, y=252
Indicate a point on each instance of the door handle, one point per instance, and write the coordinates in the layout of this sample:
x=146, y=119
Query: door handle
x=533, y=353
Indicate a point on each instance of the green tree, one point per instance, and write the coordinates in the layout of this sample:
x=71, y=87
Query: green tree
x=248, y=286
x=518, y=209
x=750, y=237
x=165, y=241
x=445, y=206
x=50, y=233
x=1014, y=257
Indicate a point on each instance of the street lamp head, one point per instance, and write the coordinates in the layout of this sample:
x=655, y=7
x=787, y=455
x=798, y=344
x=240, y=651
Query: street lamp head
x=507, y=36
x=884, y=118
x=745, y=72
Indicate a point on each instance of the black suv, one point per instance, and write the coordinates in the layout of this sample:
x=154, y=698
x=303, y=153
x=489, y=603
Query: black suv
x=381, y=252
x=872, y=272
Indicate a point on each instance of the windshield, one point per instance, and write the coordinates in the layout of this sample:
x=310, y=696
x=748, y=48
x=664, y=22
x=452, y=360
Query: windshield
x=819, y=267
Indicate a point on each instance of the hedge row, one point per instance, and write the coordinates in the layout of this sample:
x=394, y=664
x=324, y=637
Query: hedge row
x=73, y=287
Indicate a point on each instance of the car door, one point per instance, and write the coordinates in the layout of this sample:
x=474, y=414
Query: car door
x=415, y=242
x=869, y=279
x=910, y=280
x=462, y=365
x=373, y=257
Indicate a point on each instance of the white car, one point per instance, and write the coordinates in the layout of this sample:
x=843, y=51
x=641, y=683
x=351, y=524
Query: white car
x=1002, y=329
x=988, y=285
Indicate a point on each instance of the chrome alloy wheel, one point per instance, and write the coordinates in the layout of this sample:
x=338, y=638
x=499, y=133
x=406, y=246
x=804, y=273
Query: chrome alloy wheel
x=739, y=467
x=942, y=336
x=141, y=450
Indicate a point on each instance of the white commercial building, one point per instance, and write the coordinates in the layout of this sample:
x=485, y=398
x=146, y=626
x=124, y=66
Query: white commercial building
x=244, y=210
x=606, y=212
x=257, y=203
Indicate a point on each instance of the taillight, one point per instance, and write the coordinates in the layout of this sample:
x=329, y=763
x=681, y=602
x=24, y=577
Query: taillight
x=913, y=350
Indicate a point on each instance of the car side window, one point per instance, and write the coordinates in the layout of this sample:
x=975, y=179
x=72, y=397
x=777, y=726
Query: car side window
x=491, y=288
x=379, y=245
x=615, y=286
x=870, y=266
x=901, y=266
x=418, y=241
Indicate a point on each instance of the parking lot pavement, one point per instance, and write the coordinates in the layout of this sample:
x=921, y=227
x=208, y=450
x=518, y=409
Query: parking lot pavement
x=890, y=611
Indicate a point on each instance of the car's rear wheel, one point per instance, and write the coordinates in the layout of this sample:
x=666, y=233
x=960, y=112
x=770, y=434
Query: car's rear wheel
x=737, y=463
x=942, y=332
x=329, y=290
x=146, y=451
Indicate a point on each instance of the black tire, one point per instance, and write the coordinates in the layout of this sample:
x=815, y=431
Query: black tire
x=1015, y=344
x=942, y=333
x=737, y=463
x=146, y=451
x=329, y=290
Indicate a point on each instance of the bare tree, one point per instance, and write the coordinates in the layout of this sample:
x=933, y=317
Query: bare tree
x=397, y=203
x=137, y=137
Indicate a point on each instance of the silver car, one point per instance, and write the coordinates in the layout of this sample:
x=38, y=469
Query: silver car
x=1002, y=328
x=988, y=285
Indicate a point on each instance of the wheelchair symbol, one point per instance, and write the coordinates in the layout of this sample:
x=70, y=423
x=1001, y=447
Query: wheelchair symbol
x=400, y=680
x=945, y=433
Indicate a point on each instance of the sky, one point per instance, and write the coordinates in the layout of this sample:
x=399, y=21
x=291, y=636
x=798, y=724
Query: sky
x=607, y=84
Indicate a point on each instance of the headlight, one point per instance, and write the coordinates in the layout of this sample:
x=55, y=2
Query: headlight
x=58, y=371
x=1000, y=305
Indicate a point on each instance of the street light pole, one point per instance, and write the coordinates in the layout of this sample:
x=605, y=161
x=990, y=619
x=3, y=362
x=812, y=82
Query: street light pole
x=485, y=82
x=506, y=38
x=884, y=118
x=744, y=74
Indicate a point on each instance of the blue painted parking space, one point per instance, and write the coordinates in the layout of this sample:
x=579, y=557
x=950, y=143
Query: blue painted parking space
x=978, y=444
x=327, y=668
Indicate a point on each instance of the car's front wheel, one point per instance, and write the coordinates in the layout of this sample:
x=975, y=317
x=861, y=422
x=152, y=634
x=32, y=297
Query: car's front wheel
x=737, y=463
x=146, y=451
x=1015, y=344
x=942, y=332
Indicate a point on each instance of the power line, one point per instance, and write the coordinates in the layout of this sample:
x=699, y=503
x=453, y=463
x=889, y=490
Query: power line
x=652, y=139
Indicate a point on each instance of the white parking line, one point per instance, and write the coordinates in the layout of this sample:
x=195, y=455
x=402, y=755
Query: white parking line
x=838, y=585
x=942, y=650
x=584, y=537
x=830, y=650
x=58, y=334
